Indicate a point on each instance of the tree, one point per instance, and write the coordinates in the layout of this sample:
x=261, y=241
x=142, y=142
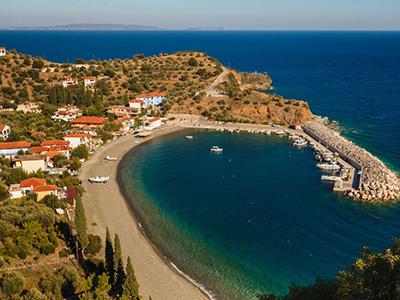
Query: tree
x=12, y=283
x=81, y=151
x=119, y=273
x=15, y=176
x=3, y=192
x=130, y=286
x=109, y=255
x=60, y=160
x=81, y=223
x=193, y=62
x=94, y=245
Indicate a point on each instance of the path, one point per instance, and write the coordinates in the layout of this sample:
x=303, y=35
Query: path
x=211, y=91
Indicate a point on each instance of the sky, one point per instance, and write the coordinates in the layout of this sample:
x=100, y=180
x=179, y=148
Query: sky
x=229, y=14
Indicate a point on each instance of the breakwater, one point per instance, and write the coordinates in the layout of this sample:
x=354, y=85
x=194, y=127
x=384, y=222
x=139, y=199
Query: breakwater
x=376, y=182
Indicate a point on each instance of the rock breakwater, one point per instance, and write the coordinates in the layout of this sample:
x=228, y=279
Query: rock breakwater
x=377, y=182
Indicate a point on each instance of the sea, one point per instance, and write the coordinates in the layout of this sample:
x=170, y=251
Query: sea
x=256, y=217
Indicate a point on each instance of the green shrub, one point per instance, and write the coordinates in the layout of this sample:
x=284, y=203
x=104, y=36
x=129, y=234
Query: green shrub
x=95, y=244
x=48, y=249
x=12, y=283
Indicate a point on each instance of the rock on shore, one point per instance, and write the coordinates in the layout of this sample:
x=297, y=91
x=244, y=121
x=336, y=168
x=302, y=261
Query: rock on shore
x=378, y=182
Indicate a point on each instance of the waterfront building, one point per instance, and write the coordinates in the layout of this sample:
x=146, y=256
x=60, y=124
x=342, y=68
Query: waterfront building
x=153, y=98
x=152, y=123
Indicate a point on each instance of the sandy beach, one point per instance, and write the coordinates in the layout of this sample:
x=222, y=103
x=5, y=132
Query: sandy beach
x=105, y=206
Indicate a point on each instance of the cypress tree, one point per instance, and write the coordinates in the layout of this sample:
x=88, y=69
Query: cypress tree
x=119, y=273
x=109, y=256
x=80, y=223
x=130, y=286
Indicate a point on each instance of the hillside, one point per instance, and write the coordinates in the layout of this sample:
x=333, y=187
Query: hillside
x=183, y=76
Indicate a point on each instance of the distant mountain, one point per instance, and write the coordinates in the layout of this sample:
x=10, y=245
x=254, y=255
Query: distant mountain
x=205, y=28
x=89, y=27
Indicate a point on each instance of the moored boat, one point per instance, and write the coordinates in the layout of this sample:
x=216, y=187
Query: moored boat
x=328, y=166
x=189, y=137
x=216, y=149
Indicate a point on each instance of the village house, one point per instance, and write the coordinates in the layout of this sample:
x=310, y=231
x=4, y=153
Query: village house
x=78, y=139
x=4, y=131
x=44, y=190
x=59, y=146
x=69, y=81
x=10, y=149
x=153, y=98
x=88, y=124
x=129, y=120
x=125, y=125
x=39, y=150
x=152, y=123
x=19, y=190
x=89, y=81
x=136, y=103
x=29, y=107
x=2, y=51
x=67, y=113
x=30, y=163
x=121, y=111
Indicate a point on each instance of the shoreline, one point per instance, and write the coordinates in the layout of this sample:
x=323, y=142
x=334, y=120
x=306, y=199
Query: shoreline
x=156, y=275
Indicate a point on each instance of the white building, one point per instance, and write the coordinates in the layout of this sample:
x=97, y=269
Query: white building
x=67, y=113
x=69, y=81
x=10, y=149
x=2, y=51
x=153, y=98
x=89, y=81
x=152, y=123
x=29, y=107
x=78, y=139
x=4, y=131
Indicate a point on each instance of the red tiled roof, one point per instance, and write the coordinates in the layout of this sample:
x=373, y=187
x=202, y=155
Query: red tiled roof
x=2, y=48
x=89, y=120
x=151, y=95
x=137, y=101
x=32, y=182
x=51, y=154
x=126, y=118
x=77, y=135
x=154, y=119
x=14, y=145
x=68, y=78
x=60, y=148
x=89, y=78
x=55, y=143
x=39, y=149
x=118, y=121
x=297, y=124
x=45, y=188
x=2, y=127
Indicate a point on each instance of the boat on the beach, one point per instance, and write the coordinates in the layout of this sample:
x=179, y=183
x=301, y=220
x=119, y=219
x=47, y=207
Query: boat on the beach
x=216, y=149
x=110, y=158
x=280, y=132
x=189, y=137
x=328, y=166
x=98, y=179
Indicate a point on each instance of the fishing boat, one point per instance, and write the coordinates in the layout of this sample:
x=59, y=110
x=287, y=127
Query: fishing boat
x=110, y=158
x=189, y=137
x=216, y=149
x=280, y=132
x=331, y=178
x=328, y=166
x=98, y=179
x=300, y=142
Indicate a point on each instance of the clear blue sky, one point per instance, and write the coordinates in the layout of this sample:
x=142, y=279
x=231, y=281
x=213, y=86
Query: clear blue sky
x=230, y=14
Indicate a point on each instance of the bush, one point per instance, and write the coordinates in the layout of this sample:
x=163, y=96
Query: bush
x=34, y=294
x=94, y=245
x=81, y=151
x=48, y=249
x=12, y=283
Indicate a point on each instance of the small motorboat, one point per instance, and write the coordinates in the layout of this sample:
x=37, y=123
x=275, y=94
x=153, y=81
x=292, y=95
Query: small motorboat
x=328, y=166
x=110, y=158
x=331, y=178
x=280, y=132
x=98, y=179
x=216, y=149
x=299, y=142
x=189, y=137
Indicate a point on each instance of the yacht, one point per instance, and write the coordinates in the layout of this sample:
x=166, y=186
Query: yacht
x=216, y=149
x=328, y=166
x=189, y=137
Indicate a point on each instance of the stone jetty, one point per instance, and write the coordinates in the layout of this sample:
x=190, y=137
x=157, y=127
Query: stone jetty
x=377, y=182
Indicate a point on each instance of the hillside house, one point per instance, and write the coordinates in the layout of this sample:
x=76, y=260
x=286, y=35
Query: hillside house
x=136, y=103
x=152, y=123
x=88, y=124
x=57, y=146
x=29, y=107
x=2, y=51
x=30, y=163
x=4, y=131
x=19, y=190
x=121, y=111
x=153, y=98
x=89, y=81
x=67, y=113
x=78, y=139
x=10, y=149
x=69, y=82
x=44, y=190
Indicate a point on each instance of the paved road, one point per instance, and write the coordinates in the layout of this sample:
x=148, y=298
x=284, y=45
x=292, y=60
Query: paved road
x=211, y=91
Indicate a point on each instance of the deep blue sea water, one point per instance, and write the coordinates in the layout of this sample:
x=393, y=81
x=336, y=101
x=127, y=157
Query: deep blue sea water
x=351, y=77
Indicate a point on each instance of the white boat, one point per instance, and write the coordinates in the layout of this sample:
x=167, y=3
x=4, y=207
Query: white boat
x=216, y=149
x=331, y=178
x=97, y=179
x=280, y=132
x=189, y=137
x=299, y=142
x=327, y=166
x=110, y=158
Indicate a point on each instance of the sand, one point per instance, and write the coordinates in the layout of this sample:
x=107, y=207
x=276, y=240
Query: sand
x=106, y=207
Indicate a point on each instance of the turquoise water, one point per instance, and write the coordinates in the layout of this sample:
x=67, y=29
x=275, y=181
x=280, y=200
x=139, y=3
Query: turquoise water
x=251, y=219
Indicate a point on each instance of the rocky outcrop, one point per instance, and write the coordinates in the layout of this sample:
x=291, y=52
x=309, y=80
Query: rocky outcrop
x=377, y=180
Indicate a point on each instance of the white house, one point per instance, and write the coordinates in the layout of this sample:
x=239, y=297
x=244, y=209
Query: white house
x=2, y=51
x=89, y=81
x=152, y=123
x=4, y=131
x=153, y=98
x=78, y=139
x=29, y=107
x=69, y=81
x=136, y=103
x=67, y=113
x=10, y=149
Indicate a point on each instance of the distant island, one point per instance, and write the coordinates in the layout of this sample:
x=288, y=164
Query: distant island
x=119, y=27
x=205, y=28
